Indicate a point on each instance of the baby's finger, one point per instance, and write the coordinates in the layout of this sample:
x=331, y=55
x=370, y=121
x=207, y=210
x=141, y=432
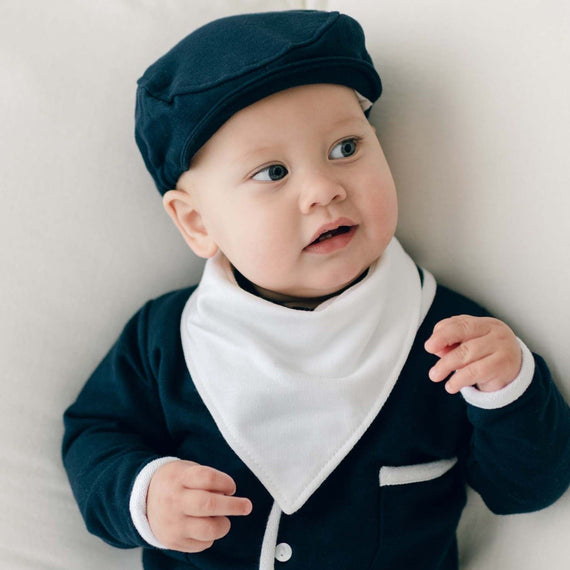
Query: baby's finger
x=463, y=354
x=197, y=503
x=190, y=545
x=455, y=330
x=479, y=372
x=205, y=529
x=208, y=479
x=446, y=349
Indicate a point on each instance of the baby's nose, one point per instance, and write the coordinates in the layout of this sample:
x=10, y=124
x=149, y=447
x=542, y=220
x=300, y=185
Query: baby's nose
x=320, y=189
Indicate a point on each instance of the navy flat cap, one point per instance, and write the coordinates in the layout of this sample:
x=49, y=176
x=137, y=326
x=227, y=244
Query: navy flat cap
x=230, y=63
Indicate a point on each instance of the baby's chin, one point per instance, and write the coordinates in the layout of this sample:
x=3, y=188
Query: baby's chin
x=308, y=297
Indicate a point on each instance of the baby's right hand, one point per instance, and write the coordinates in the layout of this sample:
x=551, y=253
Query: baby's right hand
x=188, y=505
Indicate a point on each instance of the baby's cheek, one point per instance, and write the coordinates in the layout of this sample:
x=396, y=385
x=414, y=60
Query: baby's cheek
x=381, y=202
x=265, y=266
x=383, y=220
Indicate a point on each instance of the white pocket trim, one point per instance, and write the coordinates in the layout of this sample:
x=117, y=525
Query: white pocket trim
x=415, y=473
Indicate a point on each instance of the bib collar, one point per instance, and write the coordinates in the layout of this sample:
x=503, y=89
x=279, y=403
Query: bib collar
x=293, y=391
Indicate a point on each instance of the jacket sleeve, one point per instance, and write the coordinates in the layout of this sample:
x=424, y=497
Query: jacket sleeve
x=113, y=429
x=519, y=456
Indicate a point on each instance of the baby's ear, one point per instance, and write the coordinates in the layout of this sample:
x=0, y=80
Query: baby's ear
x=187, y=218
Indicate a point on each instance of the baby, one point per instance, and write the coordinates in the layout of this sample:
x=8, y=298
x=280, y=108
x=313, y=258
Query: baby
x=318, y=386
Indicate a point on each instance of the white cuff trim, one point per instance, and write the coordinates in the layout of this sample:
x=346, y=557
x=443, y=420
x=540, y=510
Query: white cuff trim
x=137, y=503
x=508, y=394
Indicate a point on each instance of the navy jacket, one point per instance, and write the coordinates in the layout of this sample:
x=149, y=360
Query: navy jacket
x=141, y=404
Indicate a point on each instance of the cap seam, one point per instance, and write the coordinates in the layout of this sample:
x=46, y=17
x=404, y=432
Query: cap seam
x=257, y=65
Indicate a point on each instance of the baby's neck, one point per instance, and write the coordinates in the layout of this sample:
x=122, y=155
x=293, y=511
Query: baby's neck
x=300, y=303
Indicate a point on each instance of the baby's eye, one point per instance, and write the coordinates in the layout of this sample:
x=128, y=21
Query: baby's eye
x=344, y=148
x=271, y=173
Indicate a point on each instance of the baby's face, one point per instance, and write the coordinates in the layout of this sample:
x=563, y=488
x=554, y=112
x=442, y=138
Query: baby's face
x=282, y=171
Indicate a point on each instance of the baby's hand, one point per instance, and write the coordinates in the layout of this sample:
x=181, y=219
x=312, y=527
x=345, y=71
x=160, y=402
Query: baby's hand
x=482, y=351
x=188, y=505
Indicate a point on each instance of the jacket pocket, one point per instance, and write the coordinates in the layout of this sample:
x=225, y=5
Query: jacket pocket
x=419, y=473
x=419, y=510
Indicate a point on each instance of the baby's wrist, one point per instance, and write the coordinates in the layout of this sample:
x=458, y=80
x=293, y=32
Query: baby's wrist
x=137, y=502
x=493, y=399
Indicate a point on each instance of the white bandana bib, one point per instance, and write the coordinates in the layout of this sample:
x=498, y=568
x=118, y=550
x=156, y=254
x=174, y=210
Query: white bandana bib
x=293, y=391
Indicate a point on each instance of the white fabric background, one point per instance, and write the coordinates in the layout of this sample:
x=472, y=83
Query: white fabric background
x=474, y=121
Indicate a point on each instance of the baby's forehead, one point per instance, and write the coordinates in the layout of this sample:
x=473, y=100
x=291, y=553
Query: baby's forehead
x=332, y=103
x=313, y=111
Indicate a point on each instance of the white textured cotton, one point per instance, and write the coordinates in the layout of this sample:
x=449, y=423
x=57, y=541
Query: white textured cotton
x=292, y=391
x=408, y=474
x=137, y=502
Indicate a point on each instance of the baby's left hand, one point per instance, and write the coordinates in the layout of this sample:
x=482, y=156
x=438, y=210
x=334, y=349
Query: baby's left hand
x=482, y=351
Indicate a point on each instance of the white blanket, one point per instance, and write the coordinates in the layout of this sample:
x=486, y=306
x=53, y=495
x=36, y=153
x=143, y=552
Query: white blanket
x=474, y=122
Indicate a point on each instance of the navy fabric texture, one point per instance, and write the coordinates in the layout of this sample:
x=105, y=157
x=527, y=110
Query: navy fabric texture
x=141, y=403
x=228, y=64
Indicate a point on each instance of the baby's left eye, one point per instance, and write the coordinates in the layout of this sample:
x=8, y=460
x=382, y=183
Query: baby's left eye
x=344, y=148
x=271, y=173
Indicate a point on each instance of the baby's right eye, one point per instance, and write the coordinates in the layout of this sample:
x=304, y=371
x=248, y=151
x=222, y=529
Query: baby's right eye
x=271, y=173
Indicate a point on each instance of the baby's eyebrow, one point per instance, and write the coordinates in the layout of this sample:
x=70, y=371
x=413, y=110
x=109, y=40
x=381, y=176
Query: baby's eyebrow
x=361, y=121
x=252, y=152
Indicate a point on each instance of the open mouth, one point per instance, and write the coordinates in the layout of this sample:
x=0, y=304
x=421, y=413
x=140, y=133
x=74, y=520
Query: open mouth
x=332, y=233
x=332, y=240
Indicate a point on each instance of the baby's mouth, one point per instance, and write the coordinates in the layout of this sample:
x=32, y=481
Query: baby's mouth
x=332, y=233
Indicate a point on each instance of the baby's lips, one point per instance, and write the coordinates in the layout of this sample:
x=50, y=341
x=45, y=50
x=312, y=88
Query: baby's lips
x=329, y=227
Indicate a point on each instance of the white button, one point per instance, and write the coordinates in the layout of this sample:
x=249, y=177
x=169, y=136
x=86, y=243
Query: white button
x=283, y=552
